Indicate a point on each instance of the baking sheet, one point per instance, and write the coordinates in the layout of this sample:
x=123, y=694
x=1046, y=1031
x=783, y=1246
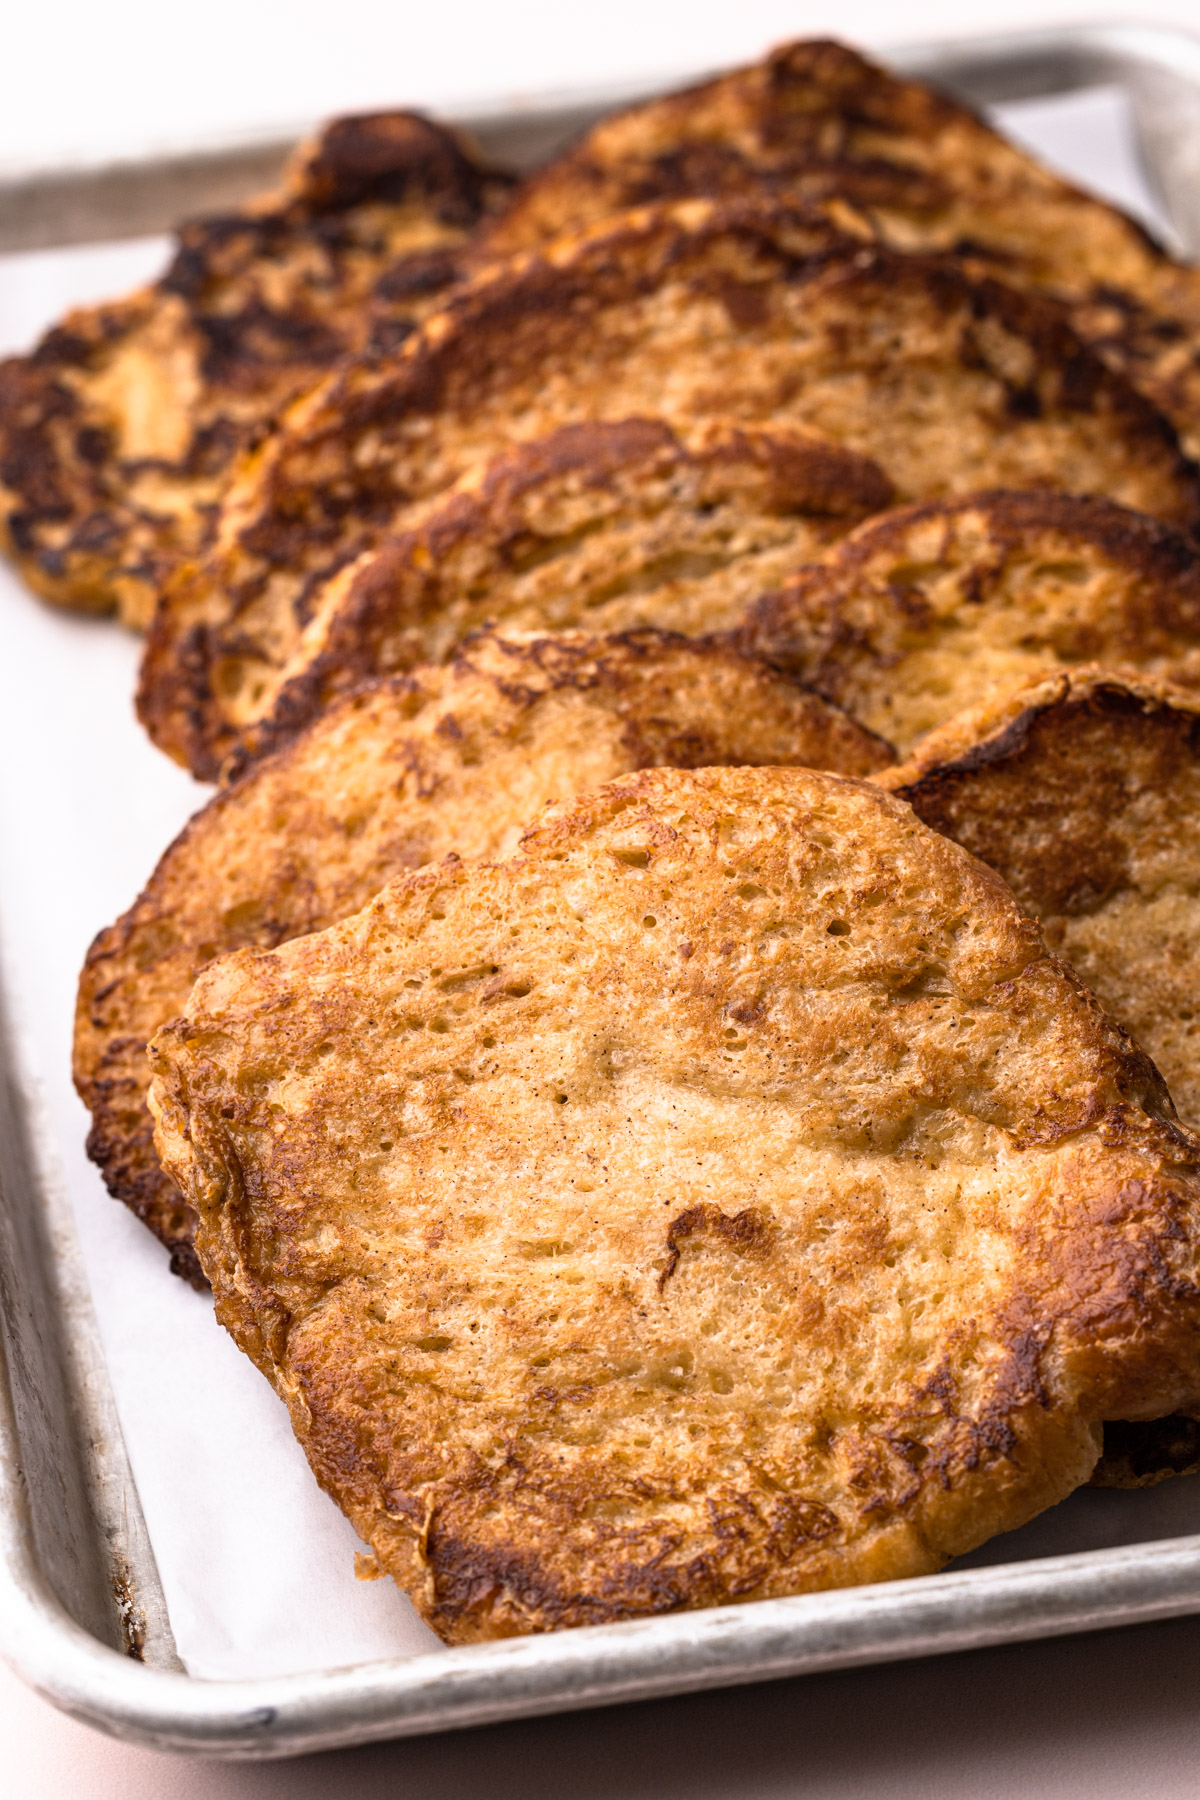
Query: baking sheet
x=256, y=1564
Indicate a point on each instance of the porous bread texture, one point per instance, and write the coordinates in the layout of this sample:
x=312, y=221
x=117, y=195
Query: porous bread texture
x=453, y=759
x=753, y=312
x=726, y=1197
x=814, y=120
x=119, y=432
x=928, y=609
x=607, y=526
x=1083, y=792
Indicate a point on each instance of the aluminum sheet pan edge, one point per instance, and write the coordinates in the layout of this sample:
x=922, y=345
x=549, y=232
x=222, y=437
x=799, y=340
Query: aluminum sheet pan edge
x=1159, y=67
x=593, y=1667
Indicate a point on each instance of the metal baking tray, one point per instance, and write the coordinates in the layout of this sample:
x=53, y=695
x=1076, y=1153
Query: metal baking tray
x=82, y=1614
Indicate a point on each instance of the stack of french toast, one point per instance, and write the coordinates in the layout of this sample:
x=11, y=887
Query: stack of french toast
x=676, y=1043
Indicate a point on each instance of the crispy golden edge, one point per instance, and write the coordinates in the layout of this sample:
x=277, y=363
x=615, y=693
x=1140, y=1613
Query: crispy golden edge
x=1105, y=1276
x=401, y=773
x=254, y=307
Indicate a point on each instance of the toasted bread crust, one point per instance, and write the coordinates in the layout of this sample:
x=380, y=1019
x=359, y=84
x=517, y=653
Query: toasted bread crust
x=401, y=774
x=118, y=434
x=751, y=312
x=608, y=526
x=923, y=611
x=725, y=1198
x=817, y=121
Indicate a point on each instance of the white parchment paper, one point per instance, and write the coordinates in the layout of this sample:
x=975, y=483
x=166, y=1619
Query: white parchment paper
x=256, y=1564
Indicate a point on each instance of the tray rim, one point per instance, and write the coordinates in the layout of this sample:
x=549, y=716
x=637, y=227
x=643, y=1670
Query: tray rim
x=264, y=1718
x=110, y=197
x=269, y=1717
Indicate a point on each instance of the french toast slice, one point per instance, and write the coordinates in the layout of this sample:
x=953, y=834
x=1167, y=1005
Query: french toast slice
x=815, y=120
x=119, y=432
x=605, y=526
x=453, y=759
x=1083, y=792
x=927, y=609
x=752, y=312
x=727, y=1197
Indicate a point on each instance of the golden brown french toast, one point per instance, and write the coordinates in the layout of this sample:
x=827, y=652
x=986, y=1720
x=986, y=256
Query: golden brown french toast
x=726, y=1197
x=1083, y=792
x=602, y=526
x=751, y=312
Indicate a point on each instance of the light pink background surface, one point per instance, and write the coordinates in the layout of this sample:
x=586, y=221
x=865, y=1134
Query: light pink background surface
x=1113, y=1715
